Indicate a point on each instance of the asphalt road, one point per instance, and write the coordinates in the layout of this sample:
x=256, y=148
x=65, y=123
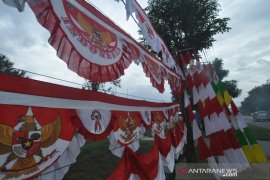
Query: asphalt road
x=261, y=124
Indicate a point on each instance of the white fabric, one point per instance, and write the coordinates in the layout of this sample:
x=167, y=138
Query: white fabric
x=233, y=122
x=95, y=121
x=161, y=173
x=186, y=99
x=215, y=122
x=43, y=101
x=134, y=177
x=169, y=161
x=158, y=129
x=196, y=96
x=66, y=159
x=196, y=131
x=209, y=128
x=213, y=165
x=19, y=4
x=117, y=149
x=202, y=93
x=224, y=121
x=210, y=90
x=242, y=160
x=241, y=121
x=146, y=116
x=223, y=162
x=232, y=158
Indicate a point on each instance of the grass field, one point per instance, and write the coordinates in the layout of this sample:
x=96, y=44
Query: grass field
x=96, y=162
x=260, y=133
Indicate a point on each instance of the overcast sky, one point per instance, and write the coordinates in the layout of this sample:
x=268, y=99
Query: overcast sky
x=245, y=49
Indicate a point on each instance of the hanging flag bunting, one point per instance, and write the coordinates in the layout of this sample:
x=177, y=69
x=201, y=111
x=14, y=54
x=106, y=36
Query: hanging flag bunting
x=155, y=41
x=93, y=46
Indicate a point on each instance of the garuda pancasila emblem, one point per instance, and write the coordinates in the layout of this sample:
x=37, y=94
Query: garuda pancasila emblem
x=24, y=143
x=159, y=124
x=128, y=128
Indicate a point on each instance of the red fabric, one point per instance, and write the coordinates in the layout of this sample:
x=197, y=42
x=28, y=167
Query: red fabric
x=187, y=58
x=164, y=145
x=224, y=141
x=9, y=115
x=183, y=60
x=204, y=152
x=233, y=139
x=234, y=109
x=228, y=113
x=76, y=62
x=190, y=83
x=215, y=145
x=65, y=50
x=191, y=115
x=202, y=110
x=176, y=135
x=145, y=166
x=9, y=83
x=152, y=70
x=123, y=115
x=212, y=106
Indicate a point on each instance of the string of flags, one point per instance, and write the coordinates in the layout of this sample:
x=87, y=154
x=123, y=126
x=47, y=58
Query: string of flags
x=42, y=119
x=43, y=125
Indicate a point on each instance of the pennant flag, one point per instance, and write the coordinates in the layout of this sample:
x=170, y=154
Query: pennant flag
x=257, y=150
x=144, y=166
x=155, y=41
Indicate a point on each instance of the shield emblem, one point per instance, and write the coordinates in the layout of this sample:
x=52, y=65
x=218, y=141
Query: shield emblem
x=26, y=143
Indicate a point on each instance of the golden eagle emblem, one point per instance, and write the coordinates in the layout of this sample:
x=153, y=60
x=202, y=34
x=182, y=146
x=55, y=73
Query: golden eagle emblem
x=159, y=123
x=24, y=143
x=128, y=128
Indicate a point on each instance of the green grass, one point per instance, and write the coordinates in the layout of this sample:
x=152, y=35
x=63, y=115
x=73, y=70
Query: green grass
x=260, y=133
x=96, y=162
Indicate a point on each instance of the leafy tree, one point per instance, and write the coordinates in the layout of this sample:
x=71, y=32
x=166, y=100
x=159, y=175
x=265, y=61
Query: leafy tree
x=6, y=66
x=97, y=86
x=230, y=85
x=187, y=24
x=258, y=99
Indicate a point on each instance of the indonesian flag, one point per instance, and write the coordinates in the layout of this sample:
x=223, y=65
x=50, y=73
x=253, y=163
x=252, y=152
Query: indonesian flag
x=146, y=166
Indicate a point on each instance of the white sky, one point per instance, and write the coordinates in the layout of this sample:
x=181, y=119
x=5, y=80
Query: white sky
x=245, y=49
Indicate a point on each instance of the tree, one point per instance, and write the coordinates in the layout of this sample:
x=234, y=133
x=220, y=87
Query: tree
x=258, y=99
x=230, y=85
x=6, y=66
x=187, y=24
x=97, y=86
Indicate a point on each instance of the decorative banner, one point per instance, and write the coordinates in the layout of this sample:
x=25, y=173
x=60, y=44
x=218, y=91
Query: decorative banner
x=144, y=166
x=32, y=139
x=92, y=45
x=159, y=122
x=149, y=33
x=38, y=120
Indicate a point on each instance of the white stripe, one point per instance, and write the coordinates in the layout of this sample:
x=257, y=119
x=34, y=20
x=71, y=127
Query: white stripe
x=42, y=101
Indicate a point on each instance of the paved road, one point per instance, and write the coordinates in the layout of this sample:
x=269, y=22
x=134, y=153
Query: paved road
x=261, y=124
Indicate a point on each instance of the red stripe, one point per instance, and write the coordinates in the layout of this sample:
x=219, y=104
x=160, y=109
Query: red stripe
x=9, y=83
